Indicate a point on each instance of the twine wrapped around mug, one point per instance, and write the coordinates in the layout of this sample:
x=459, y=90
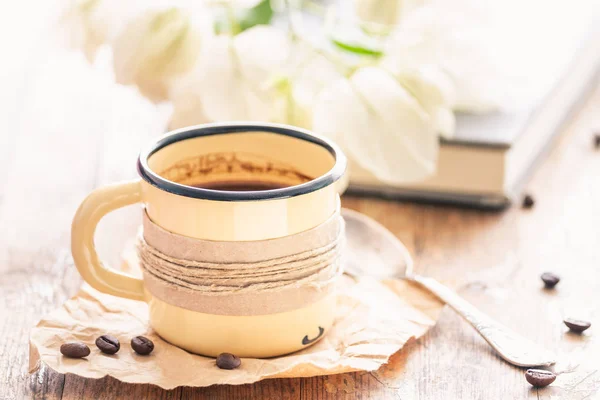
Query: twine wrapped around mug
x=242, y=278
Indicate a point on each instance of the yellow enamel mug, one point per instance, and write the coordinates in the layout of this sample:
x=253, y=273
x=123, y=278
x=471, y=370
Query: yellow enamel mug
x=310, y=173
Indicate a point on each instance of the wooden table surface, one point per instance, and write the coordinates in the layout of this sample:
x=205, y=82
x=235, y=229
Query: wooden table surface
x=493, y=259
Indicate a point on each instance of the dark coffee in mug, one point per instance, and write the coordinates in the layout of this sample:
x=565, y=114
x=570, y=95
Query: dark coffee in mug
x=234, y=172
x=240, y=186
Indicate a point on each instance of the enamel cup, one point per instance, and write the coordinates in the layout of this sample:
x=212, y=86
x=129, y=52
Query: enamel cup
x=310, y=168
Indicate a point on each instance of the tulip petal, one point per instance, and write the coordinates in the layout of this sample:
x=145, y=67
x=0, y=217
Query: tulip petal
x=455, y=38
x=154, y=49
x=436, y=93
x=312, y=73
x=444, y=122
x=234, y=74
x=88, y=24
x=380, y=125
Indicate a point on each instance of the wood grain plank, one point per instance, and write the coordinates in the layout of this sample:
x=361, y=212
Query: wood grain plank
x=57, y=158
x=494, y=259
x=52, y=167
x=285, y=389
x=109, y=388
x=46, y=384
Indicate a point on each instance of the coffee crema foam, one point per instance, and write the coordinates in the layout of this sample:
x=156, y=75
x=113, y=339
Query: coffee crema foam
x=240, y=186
x=234, y=171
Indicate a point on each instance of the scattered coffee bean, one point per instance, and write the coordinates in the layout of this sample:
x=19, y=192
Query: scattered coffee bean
x=142, y=345
x=539, y=377
x=75, y=350
x=550, y=279
x=597, y=140
x=577, y=325
x=228, y=361
x=108, y=344
x=528, y=201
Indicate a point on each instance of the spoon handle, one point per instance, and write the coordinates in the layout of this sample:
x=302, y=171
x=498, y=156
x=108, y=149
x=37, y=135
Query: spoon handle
x=510, y=345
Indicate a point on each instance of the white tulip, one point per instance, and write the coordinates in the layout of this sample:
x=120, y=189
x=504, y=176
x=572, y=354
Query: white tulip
x=384, y=12
x=436, y=93
x=455, y=37
x=234, y=78
x=380, y=125
x=306, y=88
x=257, y=75
x=308, y=73
x=187, y=107
x=156, y=48
x=234, y=3
x=88, y=24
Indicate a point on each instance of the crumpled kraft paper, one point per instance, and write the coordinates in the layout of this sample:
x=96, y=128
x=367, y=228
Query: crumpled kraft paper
x=374, y=320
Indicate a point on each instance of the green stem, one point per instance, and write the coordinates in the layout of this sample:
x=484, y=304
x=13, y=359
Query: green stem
x=234, y=25
x=295, y=37
x=313, y=8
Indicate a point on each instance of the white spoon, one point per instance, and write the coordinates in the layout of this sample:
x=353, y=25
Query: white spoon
x=394, y=261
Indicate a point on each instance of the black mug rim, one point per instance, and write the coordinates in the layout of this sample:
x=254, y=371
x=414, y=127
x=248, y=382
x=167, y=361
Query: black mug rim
x=330, y=177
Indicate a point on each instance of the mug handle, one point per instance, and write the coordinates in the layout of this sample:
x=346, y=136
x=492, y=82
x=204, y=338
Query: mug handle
x=95, y=206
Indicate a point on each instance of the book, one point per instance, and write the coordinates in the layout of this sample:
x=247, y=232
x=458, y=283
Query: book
x=491, y=156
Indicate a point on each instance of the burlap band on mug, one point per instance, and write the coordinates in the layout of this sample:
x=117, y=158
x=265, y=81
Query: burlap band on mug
x=241, y=278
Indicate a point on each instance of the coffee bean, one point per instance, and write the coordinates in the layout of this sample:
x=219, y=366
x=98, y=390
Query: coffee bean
x=550, y=280
x=539, y=377
x=228, y=361
x=528, y=201
x=75, y=350
x=108, y=344
x=597, y=140
x=577, y=325
x=142, y=345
